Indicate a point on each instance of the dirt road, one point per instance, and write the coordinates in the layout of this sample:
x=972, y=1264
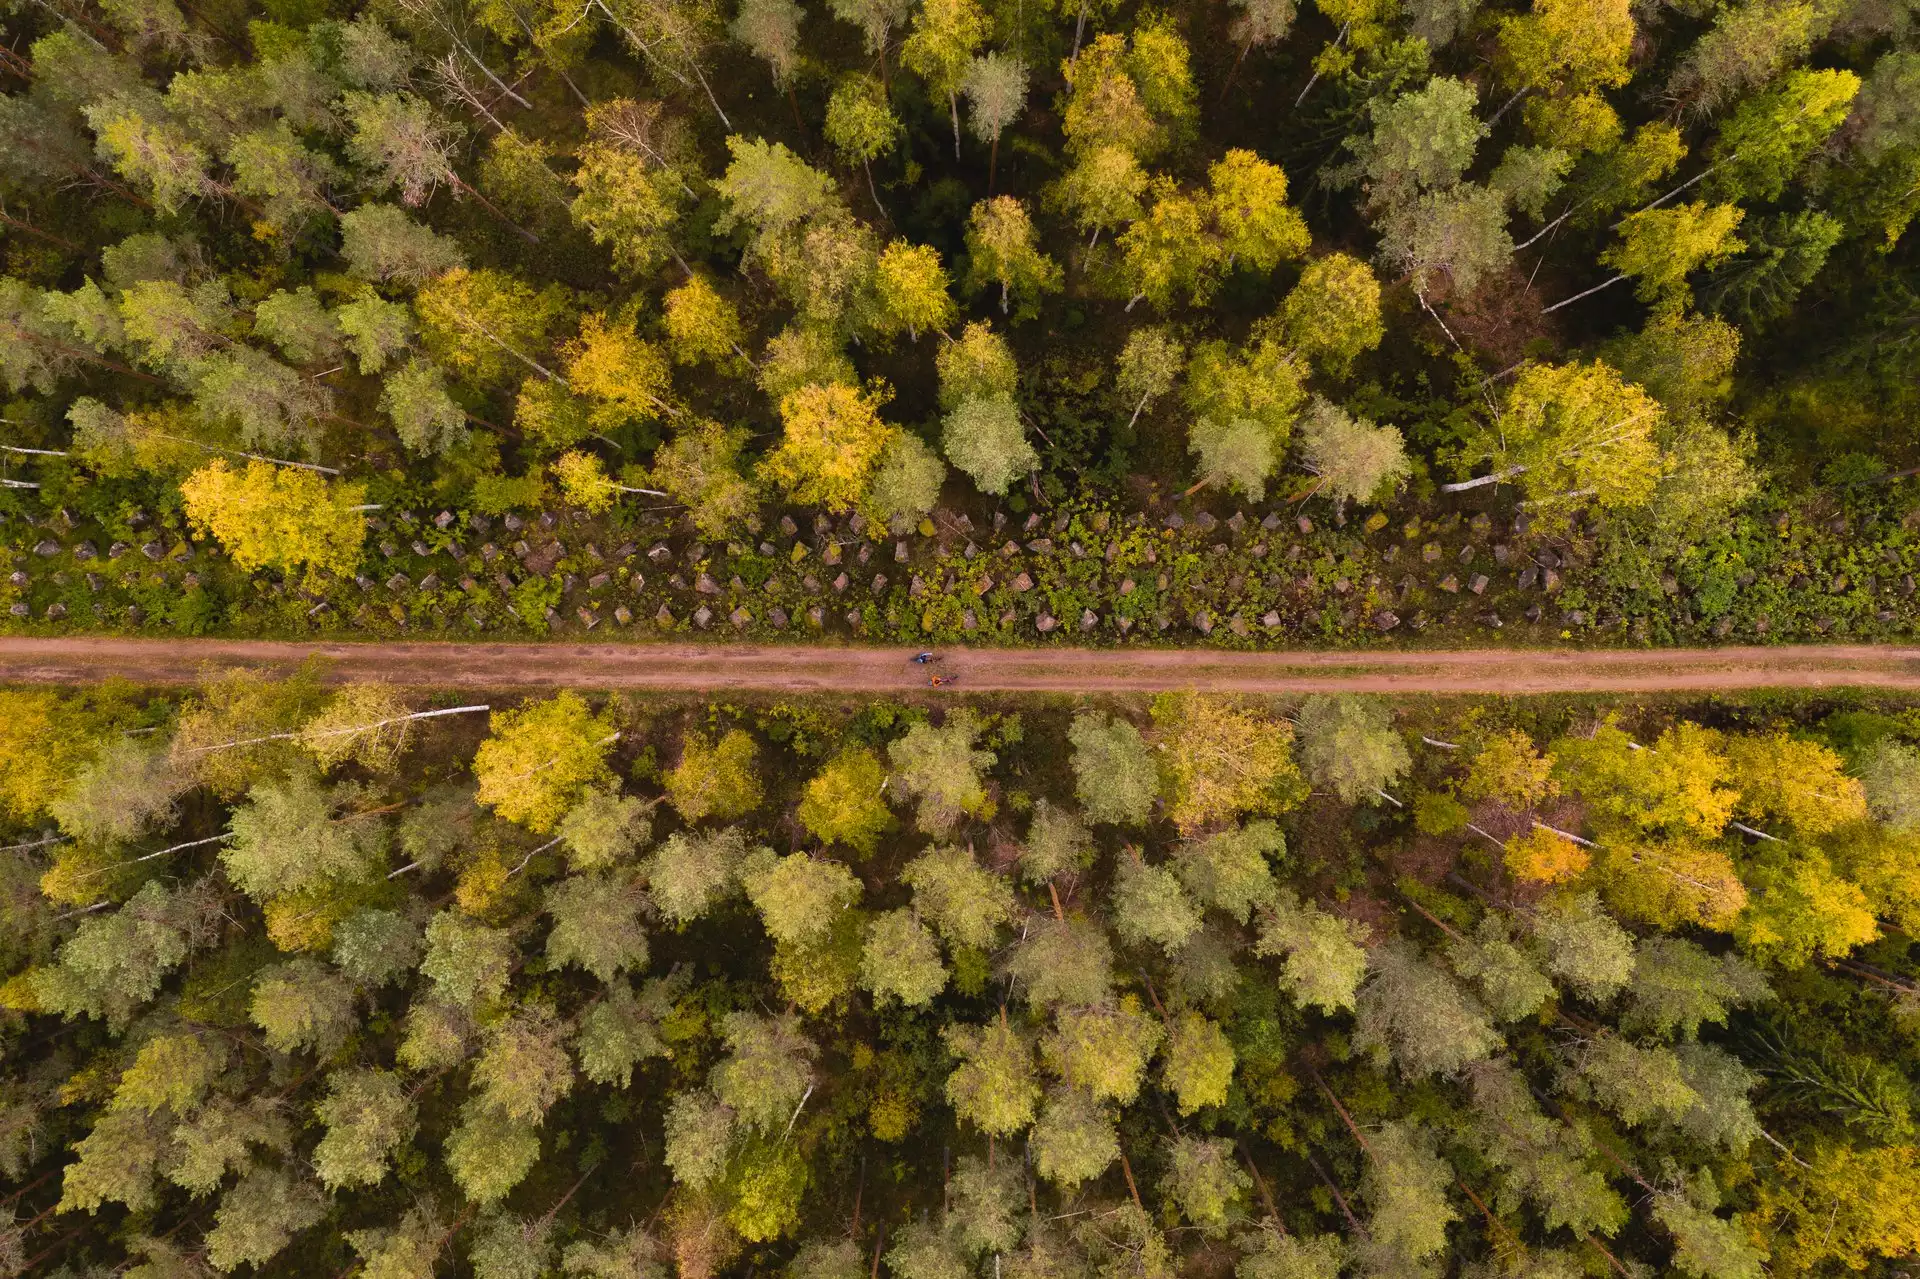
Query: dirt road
x=1062, y=670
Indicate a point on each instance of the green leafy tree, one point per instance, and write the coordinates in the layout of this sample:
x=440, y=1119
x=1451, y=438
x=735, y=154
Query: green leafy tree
x=906, y=483
x=1074, y=1139
x=596, y=925
x=1101, y=191
x=1001, y=250
x=798, y=896
x=1509, y=978
x=699, y=1131
x=924, y=1250
x=994, y=1087
x=1405, y=1185
x=523, y=1069
x=622, y=1030
x=1416, y=1014
x=1459, y=233
x=490, y=1152
x=367, y=1116
x=1771, y=134
x=946, y=33
x=995, y=87
x=965, y=902
x=770, y=29
x=1548, y=1163
x=605, y=828
x=467, y=962
x=1237, y=455
x=941, y=769
x=259, y=1217
x=985, y=1209
x=901, y=960
x=1323, y=959
x=700, y=467
x=1355, y=460
x=1147, y=367
x=1064, y=961
x=382, y=245
x=428, y=420
x=297, y=843
x=1585, y=948
x=1057, y=844
x=1103, y=1051
x=693, y=871
x=986, y=439
x=768, y=1069
x=407, y=1250
x=303, y=1004
x=1350, y=746
x=1205, y=1179
x=1229, y=870
x=1115, y=775
x=1150, y=906
x=1677, y=986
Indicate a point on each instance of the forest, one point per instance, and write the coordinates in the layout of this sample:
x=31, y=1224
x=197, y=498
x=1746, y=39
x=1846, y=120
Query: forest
x=522, y=316
x=326, y=980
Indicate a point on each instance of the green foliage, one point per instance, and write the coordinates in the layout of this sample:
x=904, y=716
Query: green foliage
x=1350, y=746
x=941, y=769
x=367, y=1116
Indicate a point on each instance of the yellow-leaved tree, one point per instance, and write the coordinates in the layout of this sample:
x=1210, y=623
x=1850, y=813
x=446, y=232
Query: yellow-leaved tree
x=541, y=757
x=832, y=442
x=278, y=517
x=1219, y=759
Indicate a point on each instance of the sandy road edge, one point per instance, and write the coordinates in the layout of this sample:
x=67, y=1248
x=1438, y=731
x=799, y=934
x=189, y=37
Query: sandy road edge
x=795, y=668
